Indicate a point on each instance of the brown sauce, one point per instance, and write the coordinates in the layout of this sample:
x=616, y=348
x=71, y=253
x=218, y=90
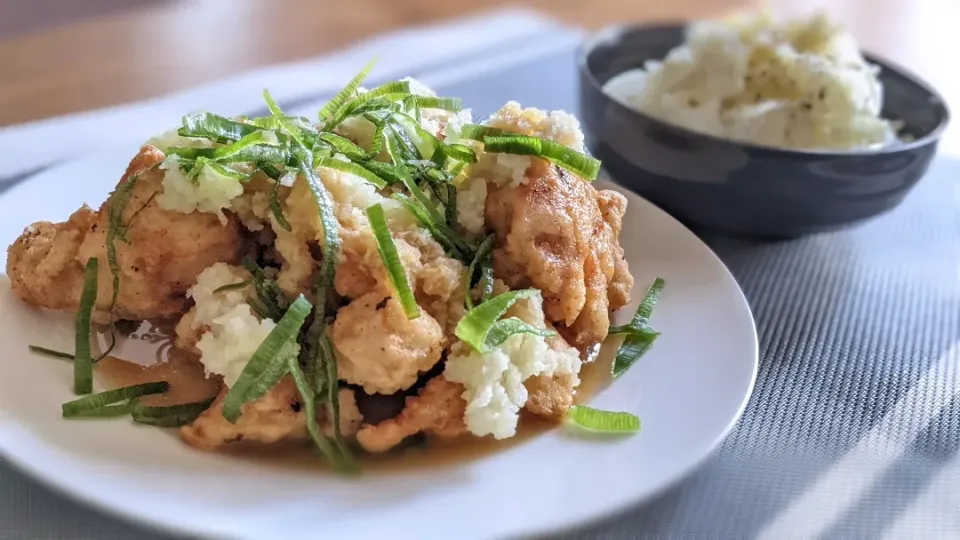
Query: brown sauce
x=188, y=383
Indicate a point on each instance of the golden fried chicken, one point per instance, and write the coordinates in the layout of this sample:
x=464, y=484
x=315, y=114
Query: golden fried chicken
x=437, y=410
x=360, y=269
x=42, y=263
x=382, y=350
x=440, y=291
x=161, y=259
x=276, y=416
x=549, y=396
x=557, y=233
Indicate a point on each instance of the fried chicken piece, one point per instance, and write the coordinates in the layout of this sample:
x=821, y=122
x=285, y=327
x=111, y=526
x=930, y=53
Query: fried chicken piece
x=555, y=232
x=188, y=333
x=440, y=291
x=275, y=416
x=382, y=350
x=549, y=396
x=612, y=207
x=278, y=415
x=42, y=262
x=437, y=410
x=161, y=259
x=360, y=269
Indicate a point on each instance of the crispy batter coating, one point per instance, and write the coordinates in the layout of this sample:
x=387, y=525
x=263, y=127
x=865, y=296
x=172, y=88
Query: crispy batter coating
x=440, y=290
x=276, y=416
x=42, y=262
x=382, y=350
x=189, y=335
x=360, y=269
x=550, y=396
x=612, y=207
x=437, y=410
x=557, y=233
x=165, y=252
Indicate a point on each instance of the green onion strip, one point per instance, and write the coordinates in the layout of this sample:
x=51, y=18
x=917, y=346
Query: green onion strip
x=482, y=329
x=169, y=415
x=78, y=407
x=83, y=361
x=639, y=337
x=391, y=260
x=51, y=352
x=503, y=141
x=340, y=460
x=267, y=365
x=607, y=422
x=345, y=94
x=478, y=262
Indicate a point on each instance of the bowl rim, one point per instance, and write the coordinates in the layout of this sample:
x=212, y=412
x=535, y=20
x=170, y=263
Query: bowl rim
x=614, y=32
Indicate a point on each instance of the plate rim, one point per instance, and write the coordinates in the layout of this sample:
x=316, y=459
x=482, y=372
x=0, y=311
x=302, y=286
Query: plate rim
x=35, y=472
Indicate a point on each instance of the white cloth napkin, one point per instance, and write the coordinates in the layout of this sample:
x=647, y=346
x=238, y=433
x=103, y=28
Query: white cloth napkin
x=468, y=43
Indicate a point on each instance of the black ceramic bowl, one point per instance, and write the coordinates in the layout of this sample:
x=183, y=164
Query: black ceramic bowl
x=743, y=188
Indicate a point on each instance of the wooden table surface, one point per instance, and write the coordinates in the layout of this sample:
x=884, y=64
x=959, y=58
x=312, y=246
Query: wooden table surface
x=147, y=52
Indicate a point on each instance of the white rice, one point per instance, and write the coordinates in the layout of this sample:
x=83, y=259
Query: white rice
x=801, y=84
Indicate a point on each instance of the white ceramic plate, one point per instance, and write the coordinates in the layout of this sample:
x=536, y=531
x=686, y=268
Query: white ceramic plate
x=689, y=390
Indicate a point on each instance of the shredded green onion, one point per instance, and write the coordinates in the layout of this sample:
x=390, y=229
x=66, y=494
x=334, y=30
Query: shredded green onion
x=362, y=107
x=481, y=328
x=83, y=364
x=218, y=168
x=438, y=230
x=478, y=133
x=479, y=259
x=445, y=103
x=107, y=411
x=257, y=146
x=380, y=98
x=461, y=153
x=189, y=154
x=274, y=173
x=85, y=404
x=303, y=157
x=450, y=205
x=117, y=229
x=633, y=347
x=275, y=207
x=332, y=393
x=354, y=169
x=504, y=328
x=506, y=142
x=270, y=300
x=641, y=319
x=338, y=459
x=50, y=352
x=343, y=145
x=411, y=107
x=214, y=127
x=331, y=235
x=639, y=336
x=169, y=415
x=390, y=89
x=564, y=156
x=346, y=93
x=422, y=198
x=608, y=422
x=279, y=344
x=391, y=260
x=425, y=143
x=233, y=286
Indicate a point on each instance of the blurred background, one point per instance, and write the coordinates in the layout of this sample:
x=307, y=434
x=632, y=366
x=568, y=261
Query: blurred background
x=61, y=56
